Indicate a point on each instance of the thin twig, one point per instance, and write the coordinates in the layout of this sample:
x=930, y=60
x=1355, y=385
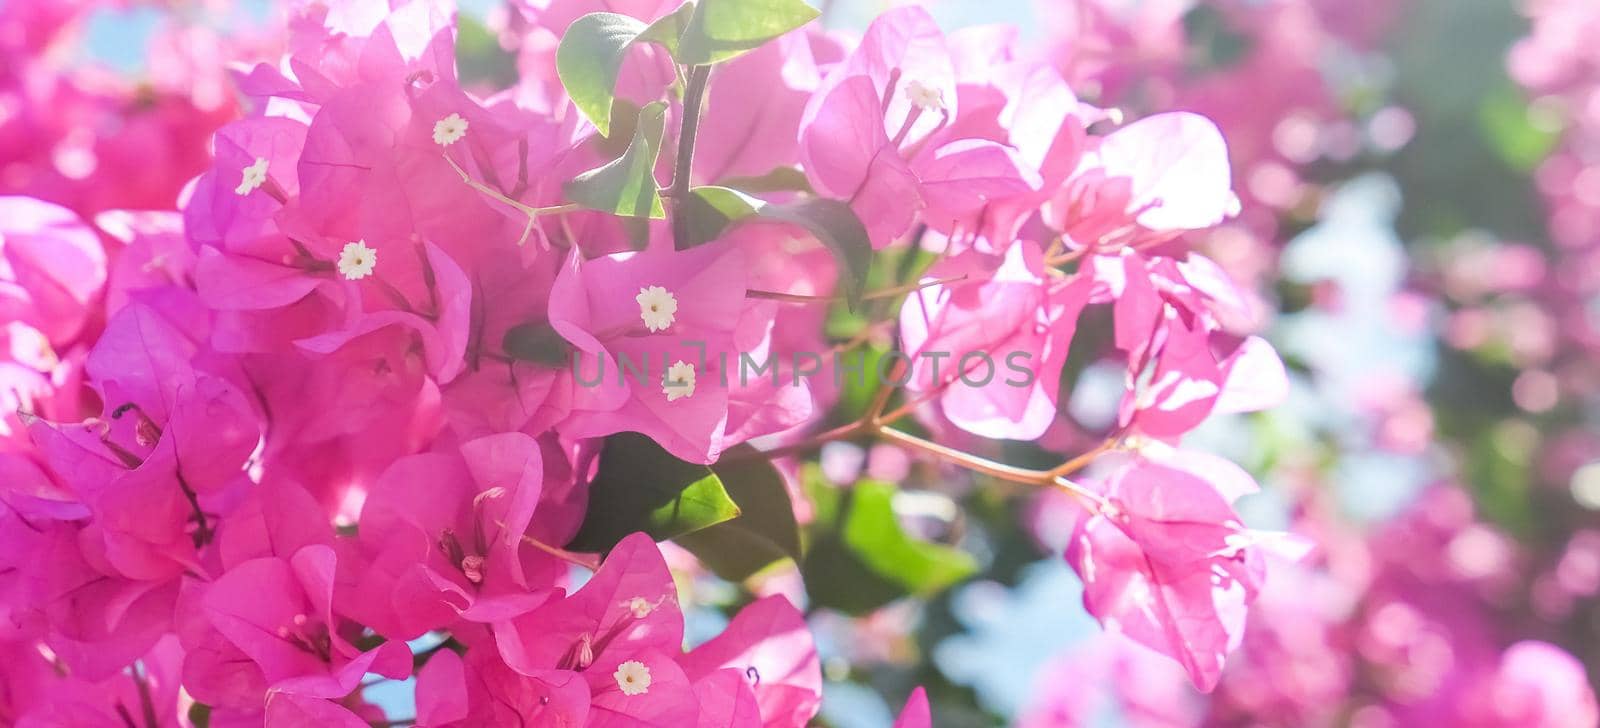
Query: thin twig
x=529, y=210
x=683, y=173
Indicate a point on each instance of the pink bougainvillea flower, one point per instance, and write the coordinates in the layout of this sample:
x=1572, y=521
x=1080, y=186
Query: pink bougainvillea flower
x=277, y=615
x=144, y=368
x=443, y=533
x=441, y=323
x=1180, y=361
x=1165, y=560
x=870, y=135
x=622, y=632
x=906, y=57
x=653, y=334
x=250, y=449
x=629, y=605
x=768, y=644
x=233, y=204
x=849, y=156
x=1146, y=182
x=172, y=440
x=992, y=341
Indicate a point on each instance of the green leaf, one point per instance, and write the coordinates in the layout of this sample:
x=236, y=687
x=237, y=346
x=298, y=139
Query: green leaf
x=641, y=487
x=626, y=185
x=200, y=715
x=713, y=210
x=669, y=28
x=624, y=120
x=780, y=179
x=724, y=29
x=590, y=57
x=537, y=343
x=860, y=559
x=765, y=531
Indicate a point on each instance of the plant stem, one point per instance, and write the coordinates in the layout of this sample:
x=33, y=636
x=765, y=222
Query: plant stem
x=682, y=174
x=1055, y=478
x=875, y=423
x=532, y=212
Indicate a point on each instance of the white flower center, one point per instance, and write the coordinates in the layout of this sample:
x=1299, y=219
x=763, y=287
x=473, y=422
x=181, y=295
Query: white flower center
x=679, y=381
x=657, y=307
x=633, y=677
x=640, y=607
x=925, y=97
x=357, y=260
x=449, y=130
x=252, y=177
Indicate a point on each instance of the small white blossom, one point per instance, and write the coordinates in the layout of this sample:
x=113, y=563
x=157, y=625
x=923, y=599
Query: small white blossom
x=925, y=97
x=679, y=381
x=449, y=130
x=252, y=177
x=657, y=307
x=357, y=260
x=633, y=677
x=640, y=607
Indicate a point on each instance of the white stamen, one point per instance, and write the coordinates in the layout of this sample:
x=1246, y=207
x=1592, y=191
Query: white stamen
x=925, y=97
x=679, y=381
x=252, y=177
x=449, y=130
x=657, y=307
x=640, y=607
x=633, y=678
x=357, y=260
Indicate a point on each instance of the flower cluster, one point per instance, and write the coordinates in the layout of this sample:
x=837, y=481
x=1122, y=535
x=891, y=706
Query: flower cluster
x=367, y=389
x=1440, y=614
